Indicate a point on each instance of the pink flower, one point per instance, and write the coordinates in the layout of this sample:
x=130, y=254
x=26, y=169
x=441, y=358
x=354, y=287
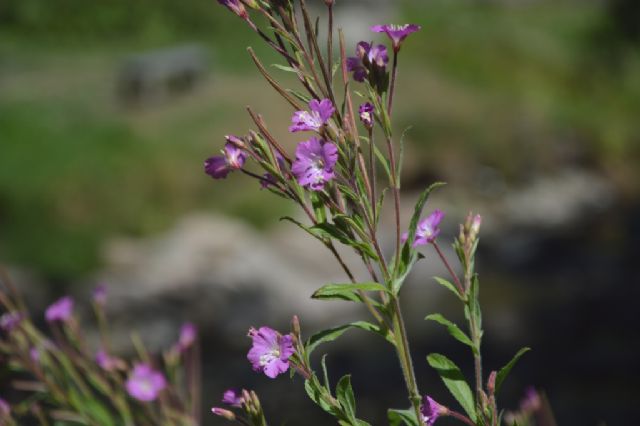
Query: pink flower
x=233, y=158
x=233, y=397
x=61, y=310
x=188, y=334
x=315, y=160
x=427, y=230
x=431, y=410
x=321, y=112
x=397, y=33
x=145, y=383
x=270, y=352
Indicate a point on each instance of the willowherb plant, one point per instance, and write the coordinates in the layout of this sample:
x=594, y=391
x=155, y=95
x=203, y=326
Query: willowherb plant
x=339, y=177
x=62, y=379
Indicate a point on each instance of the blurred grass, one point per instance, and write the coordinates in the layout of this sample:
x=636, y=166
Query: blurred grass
x=522, y=89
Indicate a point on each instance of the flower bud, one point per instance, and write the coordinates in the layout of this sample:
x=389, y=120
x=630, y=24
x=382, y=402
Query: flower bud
x=223, y=413
x=491, y=383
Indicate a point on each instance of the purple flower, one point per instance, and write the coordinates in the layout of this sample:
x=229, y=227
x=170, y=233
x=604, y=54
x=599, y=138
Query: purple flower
x=397, y=33
x=219, y=166
x=61, y=310
x=10, y=320
x=34, y=354
x=145, y=383
x=108, y=362
x=366, y=114
x=427, y=229
x=431, y=410
x=233, y=397
x=314, y=163
x=270, y=352
x=188, y=333
x=320, y=113
x=236, y=7
x=5, y=408
x=100, y=294
x=368, y=59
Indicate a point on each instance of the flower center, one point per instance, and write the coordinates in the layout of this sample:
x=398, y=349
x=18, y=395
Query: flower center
x=267, y=357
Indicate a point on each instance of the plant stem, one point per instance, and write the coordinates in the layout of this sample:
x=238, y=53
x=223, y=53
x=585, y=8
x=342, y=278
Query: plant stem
x=404, y=354
x=392, y=87
x=461, y=417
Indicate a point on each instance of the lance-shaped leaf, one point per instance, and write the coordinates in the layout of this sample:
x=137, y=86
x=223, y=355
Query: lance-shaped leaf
x=453, y=329
x=330, y=230
x=504, y=371
x=344, y=393
x=332, y=334
x=346, y=291
x=449, y=286
x=454, y=381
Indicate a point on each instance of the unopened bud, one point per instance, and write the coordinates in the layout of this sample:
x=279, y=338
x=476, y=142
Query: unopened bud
x=253, y=4
x=295, y=326
x=491, y=383
x=329, y=3
x=236, y=141
x=475, y=226
x=223, y=413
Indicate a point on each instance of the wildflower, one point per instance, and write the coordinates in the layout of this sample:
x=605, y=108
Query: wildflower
x=100, y=294
x=61, y=310
x=188, y=333
x=431, y=410
x=223, y=413
x=108, y=362
x=366, y=114
x=397, y=33
x=219, y=166
x=145, y=383
x=315, y=160
x=427, y=229
x=233, y=397
x=5, y=408
x=236, y=7
x=368, y=59
x=475, y=226
x=321, y=112
x=10, y=320
x=270, y=352
x=34, y=355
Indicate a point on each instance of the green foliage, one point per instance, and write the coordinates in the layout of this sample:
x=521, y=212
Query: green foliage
x=402, y=417
x=504, y=371
x=454, y=381
x=453, y=330
x=332, y=334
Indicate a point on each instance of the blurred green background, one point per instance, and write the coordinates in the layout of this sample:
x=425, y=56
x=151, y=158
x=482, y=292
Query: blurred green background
x=518, y=86
x=521, y=88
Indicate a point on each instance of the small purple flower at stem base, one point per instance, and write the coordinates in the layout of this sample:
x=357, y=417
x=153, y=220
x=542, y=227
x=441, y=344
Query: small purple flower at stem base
x=315, y=160
x=369, y=60
x=366, y=114
x=219, y=166
x=397, y=33
x=10, y=320
x=427, y=229
x=431, y=410
x=108, y=362
x=100, y=295
x=145, y=383
x=34, y=355
x=321, y=112
x=270, y=351
x=188, y=334
x=5, y=408
x=61, y=310
x=233, y=397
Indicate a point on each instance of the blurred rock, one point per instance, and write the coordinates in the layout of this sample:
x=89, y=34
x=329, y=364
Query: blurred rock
x=160, y=74
x=224, y=275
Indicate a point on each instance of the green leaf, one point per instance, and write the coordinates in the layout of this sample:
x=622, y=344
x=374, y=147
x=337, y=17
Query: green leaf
x=453, y=329
x=304, y=98
x=329, y=230
x=454, y=381
x=344, y=393
x=285, y=68
x=332, y=334
x=346, y=291
x=316, y=396
x=404, y=268
x=448, y=285
x=504, y=371
x=402, y=417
